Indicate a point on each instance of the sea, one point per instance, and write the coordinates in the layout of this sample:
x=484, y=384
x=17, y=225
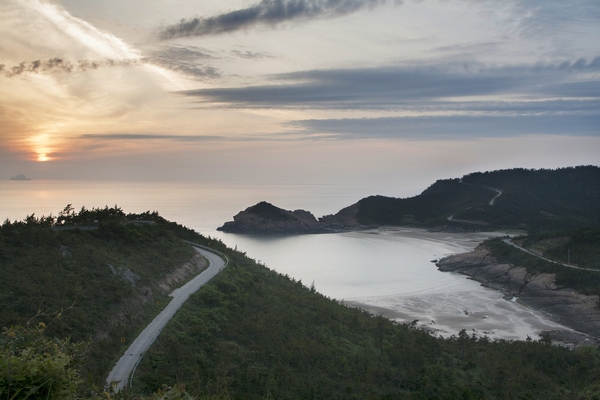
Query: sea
x=388, y=271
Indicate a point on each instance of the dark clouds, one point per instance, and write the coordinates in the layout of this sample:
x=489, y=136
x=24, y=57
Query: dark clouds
x=449, y=127
x=60, y=65
x=267, y=13
x=560, y=98
x=191, y=61
x=196, y=62
x=412, y=87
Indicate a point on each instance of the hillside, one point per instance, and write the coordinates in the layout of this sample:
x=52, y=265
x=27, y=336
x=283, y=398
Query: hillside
x=521, y=199
x=530, y=199
x=106, y=279
x=250, y=333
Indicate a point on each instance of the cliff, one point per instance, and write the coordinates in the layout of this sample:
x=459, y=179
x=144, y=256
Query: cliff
x=536, y=290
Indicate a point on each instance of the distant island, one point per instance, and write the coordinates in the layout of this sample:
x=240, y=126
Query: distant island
x=20, y=177
x=521, y=199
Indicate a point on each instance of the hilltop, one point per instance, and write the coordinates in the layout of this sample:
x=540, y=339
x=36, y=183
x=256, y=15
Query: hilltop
x=265, y=218
x=105, y=272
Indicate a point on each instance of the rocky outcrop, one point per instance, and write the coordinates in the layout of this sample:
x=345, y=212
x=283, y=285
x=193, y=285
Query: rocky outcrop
x=265, y=218
x=344, y=219
x=538, y=291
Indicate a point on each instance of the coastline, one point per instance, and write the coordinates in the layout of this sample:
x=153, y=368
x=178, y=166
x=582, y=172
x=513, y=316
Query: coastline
x=538, y=291
x=454, y=302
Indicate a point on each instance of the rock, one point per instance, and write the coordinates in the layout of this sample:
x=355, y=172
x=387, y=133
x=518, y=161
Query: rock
x=570, y=339
x=65, y=251
x=265, y=218
x=126, y=274
x=130, y=277
x=538, y=291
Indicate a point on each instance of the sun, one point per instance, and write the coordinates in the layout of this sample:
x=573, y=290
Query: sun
x=42, y=157
x=41, y=147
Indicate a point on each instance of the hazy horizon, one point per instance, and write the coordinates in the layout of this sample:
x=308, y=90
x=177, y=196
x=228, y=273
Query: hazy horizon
x=296, y=91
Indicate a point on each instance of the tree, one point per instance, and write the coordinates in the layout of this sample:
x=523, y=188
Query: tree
x=34, y=366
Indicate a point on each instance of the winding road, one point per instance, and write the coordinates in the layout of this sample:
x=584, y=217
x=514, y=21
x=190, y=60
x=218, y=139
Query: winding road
x=122, y=372
x=508, y=241
x=491, y=203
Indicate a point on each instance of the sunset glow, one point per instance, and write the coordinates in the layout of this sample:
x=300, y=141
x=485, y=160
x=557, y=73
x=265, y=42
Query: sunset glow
x=42, y=157
x=99, y=91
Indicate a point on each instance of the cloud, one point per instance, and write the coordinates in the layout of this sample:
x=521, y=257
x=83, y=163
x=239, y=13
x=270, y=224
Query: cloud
x=38, y=30
x=413, y=87
x=548, y=17
x=69, y=81
x=188, y=60
x=267, y=13
x=251, y=55
x=150, y=136
x=175, y=138
x=56, y=64
x=449, y=127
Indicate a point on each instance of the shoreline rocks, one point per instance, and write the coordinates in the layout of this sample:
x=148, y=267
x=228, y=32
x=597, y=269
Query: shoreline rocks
x=538, y=291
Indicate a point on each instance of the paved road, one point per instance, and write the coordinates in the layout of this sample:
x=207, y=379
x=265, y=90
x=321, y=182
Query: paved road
x=508, y=241
x=498, y=191
x=125, y=367
x=491, y=203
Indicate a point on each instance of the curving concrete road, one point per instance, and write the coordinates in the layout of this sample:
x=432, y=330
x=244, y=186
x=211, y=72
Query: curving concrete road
x=123, y=371
x=498, y=194
x=491, y=203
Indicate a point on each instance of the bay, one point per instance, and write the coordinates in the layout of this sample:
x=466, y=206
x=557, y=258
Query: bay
x=387, y=271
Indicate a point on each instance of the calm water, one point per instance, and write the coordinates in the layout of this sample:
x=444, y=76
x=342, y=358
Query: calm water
x=387, y=270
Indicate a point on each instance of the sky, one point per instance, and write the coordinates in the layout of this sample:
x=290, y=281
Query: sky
x=296, y=91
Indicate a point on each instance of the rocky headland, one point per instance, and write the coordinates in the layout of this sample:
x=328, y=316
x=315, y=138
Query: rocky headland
x=536, y=290
x=265, y=218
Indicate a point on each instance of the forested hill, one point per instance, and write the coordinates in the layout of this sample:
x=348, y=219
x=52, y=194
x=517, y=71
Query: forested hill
x=99, y=275
x=529, y=199
x=250, y=333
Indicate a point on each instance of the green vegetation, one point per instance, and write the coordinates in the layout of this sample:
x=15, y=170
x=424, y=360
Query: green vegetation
x=438, y=202
x=37, y=367
x=61, y=263
x=252, y=333
x=269, y=212
x=583, y=245
x=536, y=200
x=580, y=247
